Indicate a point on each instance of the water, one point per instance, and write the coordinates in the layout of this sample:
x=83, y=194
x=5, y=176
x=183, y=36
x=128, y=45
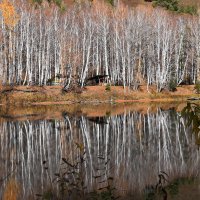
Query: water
x=130, y=144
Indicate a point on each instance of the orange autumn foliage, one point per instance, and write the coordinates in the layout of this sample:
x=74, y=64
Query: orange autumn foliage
x=9, y=14
x=12, y=190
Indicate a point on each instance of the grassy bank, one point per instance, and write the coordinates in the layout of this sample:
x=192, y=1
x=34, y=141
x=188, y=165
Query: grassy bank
x=41, y=112
x=53, y=95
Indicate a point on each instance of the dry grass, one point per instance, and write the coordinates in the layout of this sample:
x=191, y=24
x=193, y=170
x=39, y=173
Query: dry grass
x=53, y=95
x=49, y=102
x=41, y=112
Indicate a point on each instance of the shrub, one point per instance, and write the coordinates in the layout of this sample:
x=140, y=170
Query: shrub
x=50, y=81
x=172, y=85
x=192, y=10
x=108, y=88
x=168, y=4
x=112, y=2
x=197, y=87
x=173, y=5
x=70, y=181
x=59, y=3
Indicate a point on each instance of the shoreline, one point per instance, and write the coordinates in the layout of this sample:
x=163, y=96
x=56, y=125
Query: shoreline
x=53, y=95
x=48, y=112
x=119, y=101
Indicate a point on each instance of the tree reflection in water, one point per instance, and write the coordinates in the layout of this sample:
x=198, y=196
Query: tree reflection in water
x=137, y=145
x=192, y=114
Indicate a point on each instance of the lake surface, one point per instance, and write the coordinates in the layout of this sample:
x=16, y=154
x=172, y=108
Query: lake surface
x=130, y=147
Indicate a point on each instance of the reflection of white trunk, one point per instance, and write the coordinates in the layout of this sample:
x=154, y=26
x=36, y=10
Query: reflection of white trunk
x=137, y=146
